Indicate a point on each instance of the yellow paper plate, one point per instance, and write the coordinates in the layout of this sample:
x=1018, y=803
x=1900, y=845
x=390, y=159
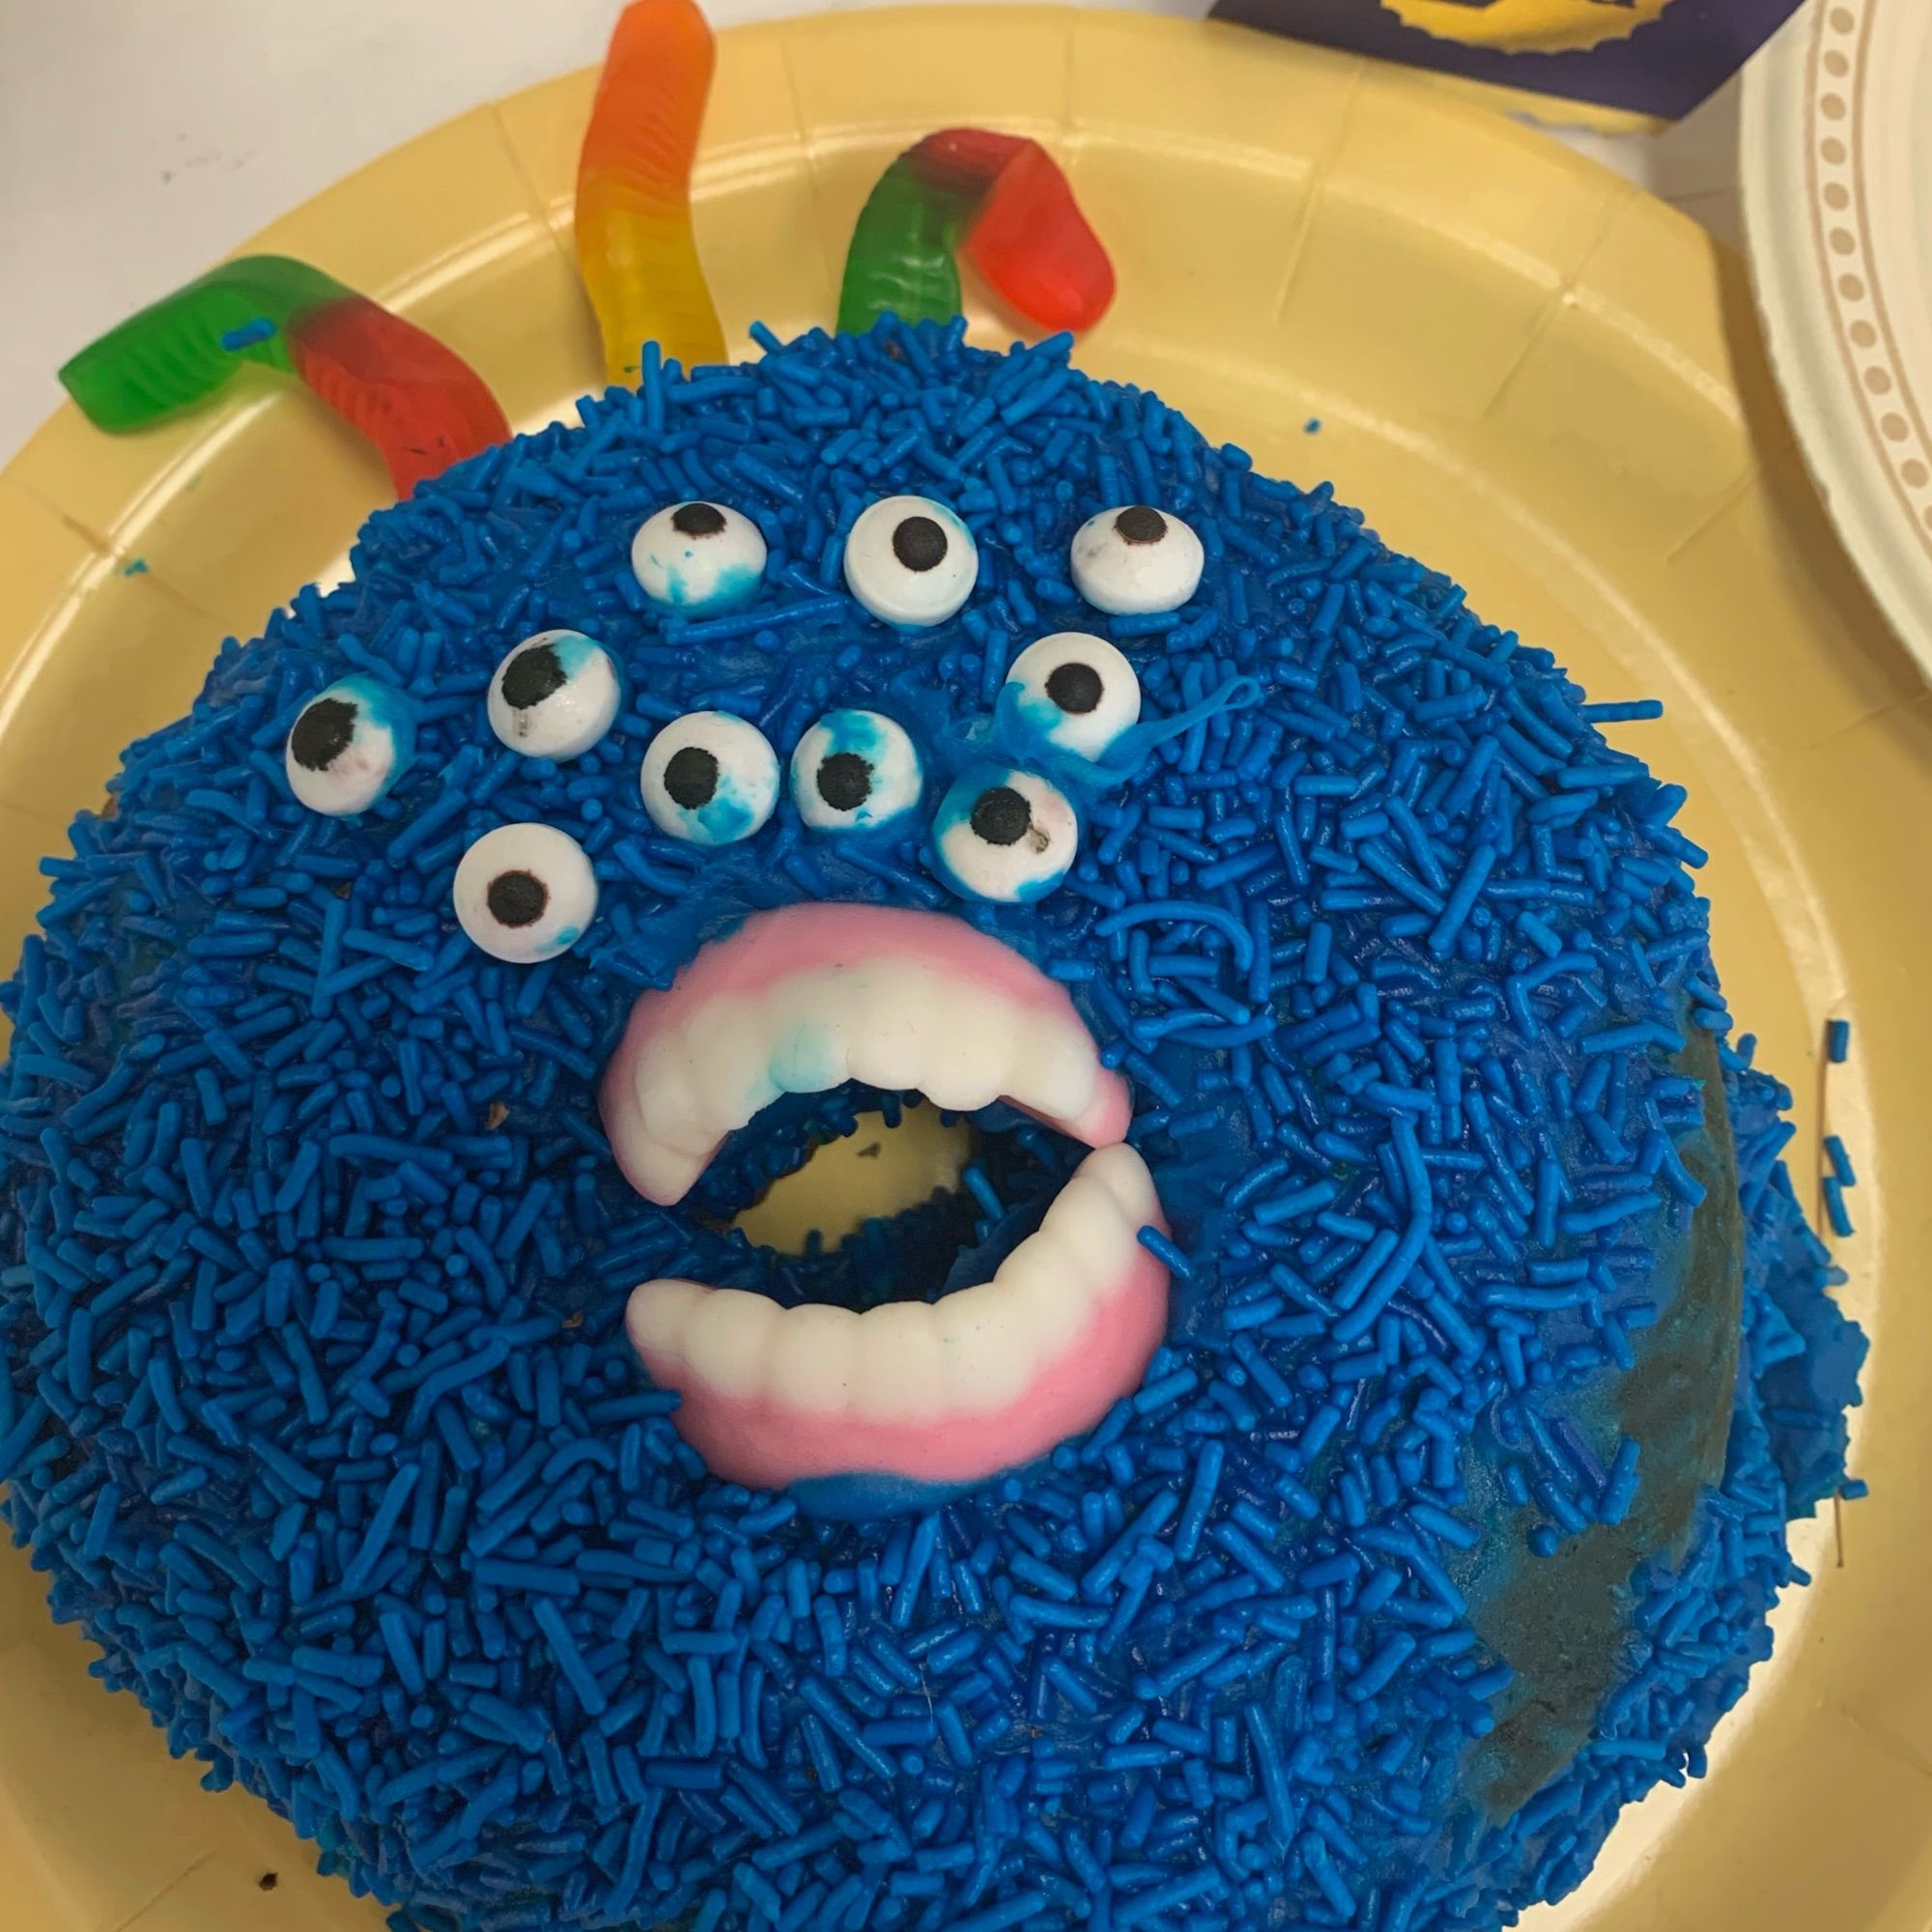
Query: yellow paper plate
x=1539, y=379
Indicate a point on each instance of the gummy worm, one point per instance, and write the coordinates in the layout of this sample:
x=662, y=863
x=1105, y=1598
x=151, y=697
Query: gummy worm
x=420, y=403
x=635, y=246
x=1001, y=199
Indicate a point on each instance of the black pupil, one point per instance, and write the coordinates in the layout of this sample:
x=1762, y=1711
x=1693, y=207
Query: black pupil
x=691, y=778
x=1001, y=815
x=517, y=899
x=531, y=675
x=918, y=543
x=1075, y=687
x=1139, y=524
x=697, y=519
x=845, y=780
x=323, y=732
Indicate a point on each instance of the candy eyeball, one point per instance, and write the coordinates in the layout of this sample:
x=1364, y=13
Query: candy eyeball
x=348, y=746
x=852, y=770
x=1134, y=559
x=699, y=559
x=1004, y=835
x=524, y=893
x=709, y=779
x=555, y=696
x=1076, y=691
x=910, y=562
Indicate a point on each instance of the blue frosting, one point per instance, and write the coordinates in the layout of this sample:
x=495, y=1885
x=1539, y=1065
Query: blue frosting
x=705, y=589
x=897, y=773
x=317, y=1409
x=727, y=815
x=384, y=708
x=572, y=650
x=860, y=1498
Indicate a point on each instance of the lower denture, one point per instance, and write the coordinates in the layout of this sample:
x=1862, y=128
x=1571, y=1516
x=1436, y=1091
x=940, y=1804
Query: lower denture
x=748, y=1433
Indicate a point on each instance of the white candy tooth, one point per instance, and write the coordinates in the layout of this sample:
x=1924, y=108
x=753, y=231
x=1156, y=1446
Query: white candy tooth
x=1082, y=1248
x=902, y=1373
x=671, y=1142
x=985, y=1335
x=659, y=1173
x=1054, y=1283
x=1055, y=1070
x=664, y=1148
x=728, y=1046
x=658, y=1314
x=843, y=1000
x=684, y=1135
x=669, y=1101
x=809, y=1030
x=965, y=1068
x=813, y=1359
x=906, y=1028
x=1124, y=1174
x=963, y=1043
x=727, y=1337
x=1085, y=1218
x=888, y=1039
x=1106, y=1239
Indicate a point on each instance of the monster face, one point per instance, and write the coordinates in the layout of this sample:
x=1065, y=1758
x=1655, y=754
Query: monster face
x=885, y=1404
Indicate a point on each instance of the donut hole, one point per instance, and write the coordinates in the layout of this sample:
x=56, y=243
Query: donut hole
x=858, y=1197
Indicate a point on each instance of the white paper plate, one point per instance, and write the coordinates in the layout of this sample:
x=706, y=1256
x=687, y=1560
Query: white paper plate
x=1837, y=186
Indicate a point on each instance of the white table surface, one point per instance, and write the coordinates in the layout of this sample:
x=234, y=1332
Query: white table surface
x=140, y=140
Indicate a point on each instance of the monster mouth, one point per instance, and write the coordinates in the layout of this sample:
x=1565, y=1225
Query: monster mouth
x=933, y=1393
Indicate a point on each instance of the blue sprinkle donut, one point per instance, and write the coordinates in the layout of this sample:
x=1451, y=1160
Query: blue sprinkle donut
x=1332, y=1451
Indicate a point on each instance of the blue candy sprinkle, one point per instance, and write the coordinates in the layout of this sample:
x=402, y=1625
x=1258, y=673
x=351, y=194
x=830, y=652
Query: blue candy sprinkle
x=1835, y=1207
x=258, y=328
x=1842, y=1170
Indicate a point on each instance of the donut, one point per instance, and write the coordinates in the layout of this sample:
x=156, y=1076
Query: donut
x=1331, y=1450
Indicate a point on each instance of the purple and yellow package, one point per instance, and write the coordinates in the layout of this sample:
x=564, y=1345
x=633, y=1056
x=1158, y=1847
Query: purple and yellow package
x=1657, y=57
